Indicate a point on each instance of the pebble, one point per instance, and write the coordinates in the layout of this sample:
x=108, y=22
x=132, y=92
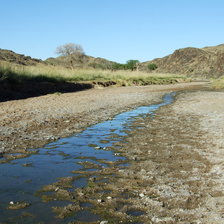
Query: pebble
x=103, y=222
x=141, y=195
x=57, y=188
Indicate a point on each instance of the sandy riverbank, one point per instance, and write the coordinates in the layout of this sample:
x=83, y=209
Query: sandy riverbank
x=33, y=122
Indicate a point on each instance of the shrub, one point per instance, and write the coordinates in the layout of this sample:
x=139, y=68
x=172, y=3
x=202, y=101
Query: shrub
x=152, y=67
x=118, y=66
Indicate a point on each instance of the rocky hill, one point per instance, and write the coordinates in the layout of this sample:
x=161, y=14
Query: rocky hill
x=10, y=56
x=206, y=62
x=80, y=61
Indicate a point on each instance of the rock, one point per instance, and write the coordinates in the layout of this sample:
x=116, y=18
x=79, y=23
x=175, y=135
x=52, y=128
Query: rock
x=141, y=195
x=109, y=198
x=17, y=205
x=57, y=188
x=103, y=222
x=27, y=164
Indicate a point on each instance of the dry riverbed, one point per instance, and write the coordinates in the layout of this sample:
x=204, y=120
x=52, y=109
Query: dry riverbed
x=33, y=122
x=176, y=168
x=176, y=172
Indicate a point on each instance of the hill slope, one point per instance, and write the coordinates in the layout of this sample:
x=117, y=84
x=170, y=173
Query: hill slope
x=81, y=61
x=207, y=62
x=65, y=61
x=10, y=56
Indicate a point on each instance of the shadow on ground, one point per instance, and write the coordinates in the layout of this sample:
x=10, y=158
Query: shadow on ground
x=16, y=91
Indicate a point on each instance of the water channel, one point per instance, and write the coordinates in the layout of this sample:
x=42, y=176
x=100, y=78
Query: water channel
x=21, y=178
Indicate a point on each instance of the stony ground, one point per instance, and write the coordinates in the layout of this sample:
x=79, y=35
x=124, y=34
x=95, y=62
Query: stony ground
x=176, y=172
x=36, y=121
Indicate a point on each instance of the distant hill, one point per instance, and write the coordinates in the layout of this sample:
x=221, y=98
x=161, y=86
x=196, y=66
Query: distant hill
x=10, y=56
x=83, y=61
x=206, y=62
x=64, y=61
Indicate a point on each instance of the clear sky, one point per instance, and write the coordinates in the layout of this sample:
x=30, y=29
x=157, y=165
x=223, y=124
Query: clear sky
x=117, y=30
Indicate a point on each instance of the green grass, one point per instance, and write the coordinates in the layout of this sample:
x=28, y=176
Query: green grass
x=13, y=73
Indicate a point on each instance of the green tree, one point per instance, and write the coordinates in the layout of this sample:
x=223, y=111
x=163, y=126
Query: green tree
x=118, y=66
x=132, y=64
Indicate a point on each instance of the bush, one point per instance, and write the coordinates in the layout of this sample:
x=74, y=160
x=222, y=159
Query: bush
x=132, y=64
x=118, y=66
x=152, y=67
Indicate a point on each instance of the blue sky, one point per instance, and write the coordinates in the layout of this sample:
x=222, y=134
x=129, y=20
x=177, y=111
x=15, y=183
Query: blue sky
x=118, y=30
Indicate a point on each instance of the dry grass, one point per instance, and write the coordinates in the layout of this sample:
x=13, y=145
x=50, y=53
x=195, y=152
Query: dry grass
x=17, y=73
x=218, y=83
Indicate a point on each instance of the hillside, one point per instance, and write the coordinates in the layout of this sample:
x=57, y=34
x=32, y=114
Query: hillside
x=80, y=61
x=206, y=62
x=203, y=62
x=65, y=61
x=10, y=56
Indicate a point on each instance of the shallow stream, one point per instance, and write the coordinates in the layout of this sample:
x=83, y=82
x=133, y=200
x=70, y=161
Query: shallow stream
x=21, y=178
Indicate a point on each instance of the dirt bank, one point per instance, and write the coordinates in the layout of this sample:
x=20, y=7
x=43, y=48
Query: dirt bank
x=35, y=121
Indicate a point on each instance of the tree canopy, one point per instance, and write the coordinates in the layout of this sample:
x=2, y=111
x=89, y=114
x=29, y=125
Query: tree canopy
x=69, y=49
x=132, y=64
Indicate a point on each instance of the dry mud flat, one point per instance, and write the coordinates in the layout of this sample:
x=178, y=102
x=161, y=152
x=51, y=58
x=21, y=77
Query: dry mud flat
x=33, y=122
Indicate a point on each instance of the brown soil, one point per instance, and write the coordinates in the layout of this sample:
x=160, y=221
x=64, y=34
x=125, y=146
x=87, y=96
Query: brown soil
x=36, y=121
